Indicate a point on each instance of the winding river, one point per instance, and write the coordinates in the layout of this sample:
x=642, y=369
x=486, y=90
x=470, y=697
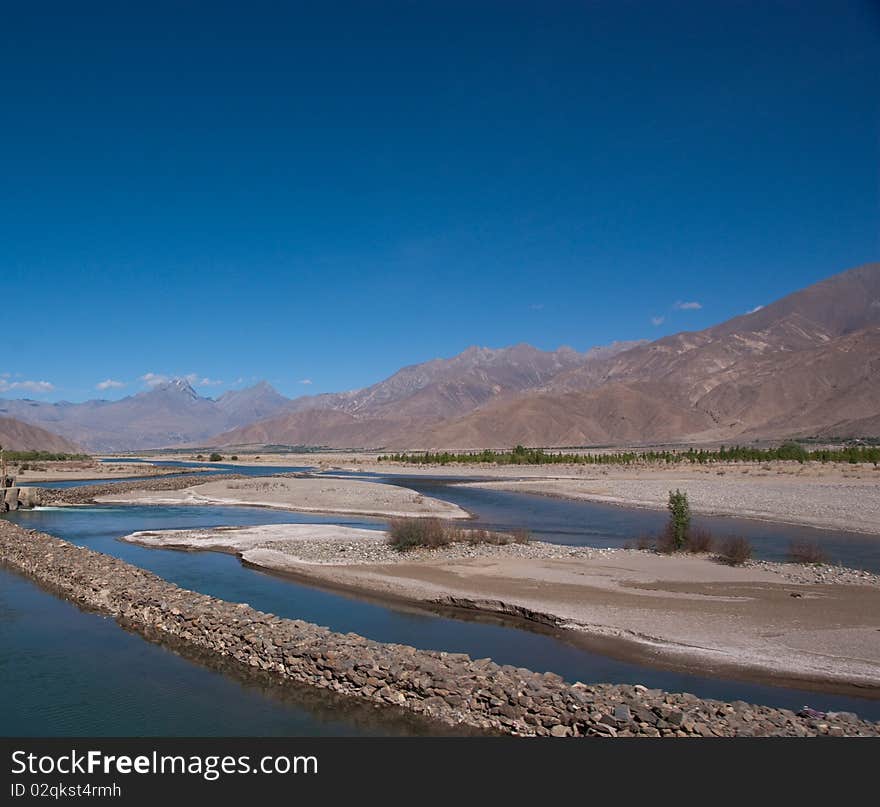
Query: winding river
x=69, y=672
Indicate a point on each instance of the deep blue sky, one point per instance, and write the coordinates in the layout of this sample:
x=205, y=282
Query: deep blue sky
x=330, y=191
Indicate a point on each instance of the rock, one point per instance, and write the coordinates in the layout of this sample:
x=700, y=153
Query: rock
x=446, y=687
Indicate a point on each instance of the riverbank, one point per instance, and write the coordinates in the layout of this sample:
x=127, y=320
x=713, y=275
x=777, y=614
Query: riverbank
x=42, y=472
x=302, y=494
x=838, y=496
x=450, y=688
x=850, y=504
x=88, y=494
x=800, y=624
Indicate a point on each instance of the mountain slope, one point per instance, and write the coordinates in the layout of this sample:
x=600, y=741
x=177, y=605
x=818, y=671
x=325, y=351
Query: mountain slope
x=18, y=436
x=167, y=414
x=805, y=364
x=417, y=397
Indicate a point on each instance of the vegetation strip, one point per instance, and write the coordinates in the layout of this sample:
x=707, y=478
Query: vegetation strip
x=521, y=455
x=448, y=687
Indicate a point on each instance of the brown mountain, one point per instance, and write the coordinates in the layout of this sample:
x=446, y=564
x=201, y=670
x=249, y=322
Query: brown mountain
x=806, y=364
x=170, y=413
x=416, y=398
x=18, y=436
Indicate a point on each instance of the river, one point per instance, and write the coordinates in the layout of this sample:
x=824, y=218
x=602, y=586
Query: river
x=49, y=648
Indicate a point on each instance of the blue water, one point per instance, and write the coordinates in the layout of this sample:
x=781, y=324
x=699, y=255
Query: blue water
x=583, y=523
x=66, y=672
x=223, y=576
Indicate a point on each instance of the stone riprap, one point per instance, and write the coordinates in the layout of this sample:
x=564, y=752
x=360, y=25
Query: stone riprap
x=85, y=494
x=448, y=687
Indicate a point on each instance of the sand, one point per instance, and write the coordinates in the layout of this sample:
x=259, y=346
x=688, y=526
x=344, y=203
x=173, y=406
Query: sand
x=321, y=495
x=851, y=505
x=691, y=613
x=51, y=471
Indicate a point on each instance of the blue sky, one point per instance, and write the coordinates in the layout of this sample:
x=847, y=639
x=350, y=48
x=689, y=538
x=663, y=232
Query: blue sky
x=327, y=192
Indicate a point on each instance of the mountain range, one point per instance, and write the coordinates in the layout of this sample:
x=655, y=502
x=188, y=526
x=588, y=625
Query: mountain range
x=805, y=365
x=16, y=435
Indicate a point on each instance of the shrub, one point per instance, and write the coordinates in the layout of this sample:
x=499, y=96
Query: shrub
x=234, y=457
x=792, y=451
x=645, y=542
x=409, y=533
x=699, y=540
x=665, y=542
x=521, y=536
x=806, y=552
x=679, y=519
x=215, y=457
x=735, y=551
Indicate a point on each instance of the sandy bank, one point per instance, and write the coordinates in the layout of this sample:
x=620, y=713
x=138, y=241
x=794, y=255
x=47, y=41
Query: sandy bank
x=450, y=688
x=769, y=620
x=844, y=504
x=303, y=494
x=74, y=471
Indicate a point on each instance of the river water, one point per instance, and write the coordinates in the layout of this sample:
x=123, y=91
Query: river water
x=584, y=523
x=69, y=672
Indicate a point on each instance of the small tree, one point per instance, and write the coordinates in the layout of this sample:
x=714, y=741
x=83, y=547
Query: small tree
x=215, y=457
x=679, y=519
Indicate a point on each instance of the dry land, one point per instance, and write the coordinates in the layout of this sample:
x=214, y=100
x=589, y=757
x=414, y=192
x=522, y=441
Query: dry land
x=798, y=624
x=449, y=688
x=830, y=495
x=844, y=503
x=42, y=472
x=313, y=495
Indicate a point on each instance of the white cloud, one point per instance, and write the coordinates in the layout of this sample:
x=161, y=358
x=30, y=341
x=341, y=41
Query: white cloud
x=305, y=381
x=692, y=306
x=195, y=379
x=537, y=306
x=109, y=384
x=201, y=381
x=27, y=386
x=154, y=379
x=658, y=320
x=756, y=308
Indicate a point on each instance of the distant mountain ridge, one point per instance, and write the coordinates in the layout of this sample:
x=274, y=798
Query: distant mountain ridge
x=417, y=398
x=807, y=364
x=18, y=436
x=173, y=413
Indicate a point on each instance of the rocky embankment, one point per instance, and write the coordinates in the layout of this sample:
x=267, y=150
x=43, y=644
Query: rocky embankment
x=85, y=494
x=447, y=687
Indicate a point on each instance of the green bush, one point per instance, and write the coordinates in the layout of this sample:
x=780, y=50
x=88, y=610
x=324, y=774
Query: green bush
x=792, y=451
x=215, y=457
x=679, y=519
